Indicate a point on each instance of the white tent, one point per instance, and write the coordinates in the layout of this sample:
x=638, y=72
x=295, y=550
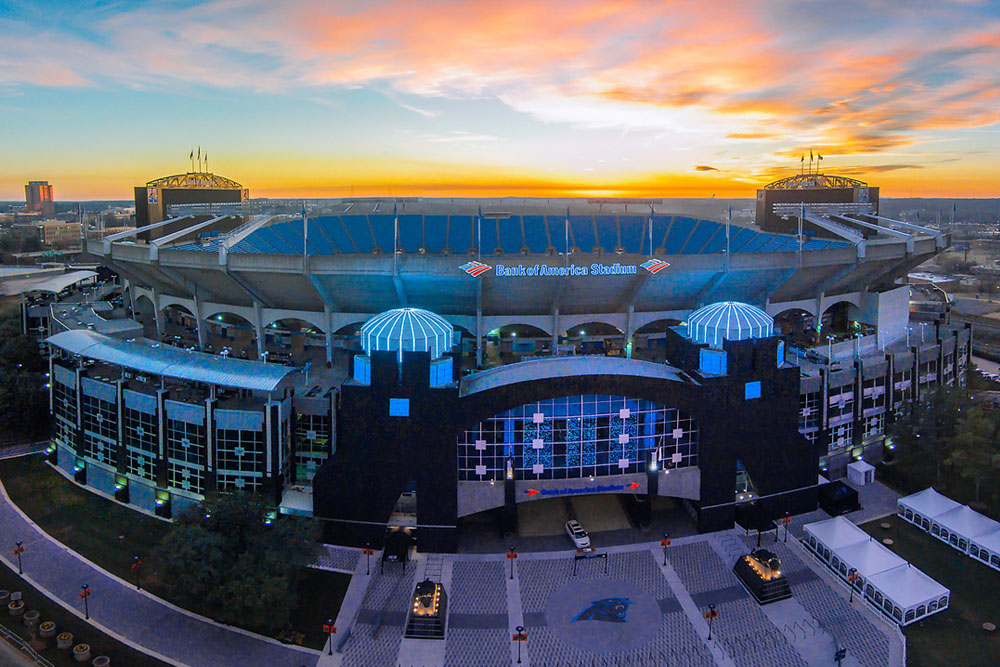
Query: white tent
x=987, y=549
x=960, y=525
x=827, y=537
x=868, y=559
x=906, y=594
x=921, y=508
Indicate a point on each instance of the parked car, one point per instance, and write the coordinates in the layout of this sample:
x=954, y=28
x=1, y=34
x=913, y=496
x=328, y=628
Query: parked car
x=580, y=537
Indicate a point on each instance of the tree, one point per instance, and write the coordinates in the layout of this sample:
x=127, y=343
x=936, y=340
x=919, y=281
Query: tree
x=230, y=561
x=928, y=426
x=975, y=455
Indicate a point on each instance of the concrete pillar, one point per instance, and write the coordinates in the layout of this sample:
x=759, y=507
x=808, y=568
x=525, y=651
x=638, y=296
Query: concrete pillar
x=555, y=330
x=258, y=325
x=328, y=321
x=629, y=330
x=158, y=314
x=201, y=325
x=479, y=337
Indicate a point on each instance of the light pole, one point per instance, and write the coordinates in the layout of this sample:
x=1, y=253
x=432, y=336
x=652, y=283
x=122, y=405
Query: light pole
x=710, y=615
x=511, y=555
x=665, y=542
x=368, y=555
x=786, y=521
x=136, y=563
x=852, y=576
x=330, y=629
x=19, y=549
x=85, y=594
x=520, y=638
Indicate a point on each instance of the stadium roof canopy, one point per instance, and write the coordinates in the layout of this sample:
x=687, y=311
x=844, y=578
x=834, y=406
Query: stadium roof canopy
x=729, y=320
x=814, y=181
x=195, y=180
x=148, y=356
x=59, y=283
x=406, y=329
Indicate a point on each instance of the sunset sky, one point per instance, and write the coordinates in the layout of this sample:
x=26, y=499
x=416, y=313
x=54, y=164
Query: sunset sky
x=657, y=98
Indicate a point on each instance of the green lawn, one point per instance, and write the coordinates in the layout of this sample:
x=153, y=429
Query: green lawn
x=954, y=636
x=83, y=632
x=110, y=535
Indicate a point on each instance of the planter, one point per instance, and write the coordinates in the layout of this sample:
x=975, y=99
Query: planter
x=81, y=652
x=64, y=641
x=46, y=629
x=15, y=607
x=30, y=618
x=101, y=661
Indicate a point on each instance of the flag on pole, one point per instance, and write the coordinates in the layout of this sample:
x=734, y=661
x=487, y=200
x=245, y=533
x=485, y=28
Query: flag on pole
x=566, y=229
x=305, y=228
x=650, y=230
x=479, y=233
x=729, y=220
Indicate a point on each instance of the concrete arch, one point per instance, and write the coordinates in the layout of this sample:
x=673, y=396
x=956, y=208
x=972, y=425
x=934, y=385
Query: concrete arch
x=657, y=326
x=522, y=330
x=318, y=319
x=350, y=329
x=644, y=318
x=210, y=310
x=854, y=298
x=808, y=305
x=298, y=325
x=570, y=322
x=229, y=318
x=166, y=300
x=592, y=328
x=543, y=322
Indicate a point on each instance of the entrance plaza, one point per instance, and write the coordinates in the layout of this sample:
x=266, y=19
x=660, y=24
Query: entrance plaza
x=626, y=606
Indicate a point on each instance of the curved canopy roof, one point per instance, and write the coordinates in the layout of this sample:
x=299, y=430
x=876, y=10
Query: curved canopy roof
x=407, y=329
x=59, y=283
x=729, y=320
x=148, y=356
x=194, y=179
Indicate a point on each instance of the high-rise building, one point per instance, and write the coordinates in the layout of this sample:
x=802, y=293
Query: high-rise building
x=38, y=196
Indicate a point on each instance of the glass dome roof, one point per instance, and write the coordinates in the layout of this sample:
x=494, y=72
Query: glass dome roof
x=407, y=329
x=730, y=320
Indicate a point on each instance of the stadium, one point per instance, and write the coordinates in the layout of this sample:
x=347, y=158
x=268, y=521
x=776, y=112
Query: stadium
x=416, y=362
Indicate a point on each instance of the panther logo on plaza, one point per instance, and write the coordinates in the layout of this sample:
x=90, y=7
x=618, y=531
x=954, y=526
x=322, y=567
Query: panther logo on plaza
x=612, y=610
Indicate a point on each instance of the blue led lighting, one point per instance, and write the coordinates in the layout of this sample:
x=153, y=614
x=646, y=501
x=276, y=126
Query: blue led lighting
x=728, y=320
x=405, y=329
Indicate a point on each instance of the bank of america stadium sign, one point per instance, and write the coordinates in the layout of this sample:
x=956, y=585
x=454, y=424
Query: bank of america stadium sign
x=476, y=269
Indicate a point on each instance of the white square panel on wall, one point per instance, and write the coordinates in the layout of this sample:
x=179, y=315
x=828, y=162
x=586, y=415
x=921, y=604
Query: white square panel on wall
x=537, y=443
x=480, y=470
x=623, y=438
x=678, y=433
x=677, y=457
x=480, y=445
x=537, y=469
x=625, y=413
x=538, y=418
x=623, y=463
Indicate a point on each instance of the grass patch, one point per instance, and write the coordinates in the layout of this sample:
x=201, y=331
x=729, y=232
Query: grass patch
x=83, y=632
x=110, y=534
x=954, y=636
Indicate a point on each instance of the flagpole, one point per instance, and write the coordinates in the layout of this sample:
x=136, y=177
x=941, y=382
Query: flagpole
x=729, y=221
x=650, y=231
x=395, y=239
x=305, y=234
x=566, y=231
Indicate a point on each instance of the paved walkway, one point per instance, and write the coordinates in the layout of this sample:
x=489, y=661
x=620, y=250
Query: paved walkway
x=136, y=618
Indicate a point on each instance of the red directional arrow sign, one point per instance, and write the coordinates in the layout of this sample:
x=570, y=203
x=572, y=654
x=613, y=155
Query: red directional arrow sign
x=633, y=485
x=532, y=492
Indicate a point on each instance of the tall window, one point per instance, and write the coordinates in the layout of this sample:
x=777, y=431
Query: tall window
x=578, y=436
x=313, y=445
x=240, y=459
x=186, y=456
x=64, y=411
x=141, y=443
x=100, y=430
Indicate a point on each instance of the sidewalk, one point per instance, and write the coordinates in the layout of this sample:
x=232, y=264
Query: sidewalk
x=136, y=618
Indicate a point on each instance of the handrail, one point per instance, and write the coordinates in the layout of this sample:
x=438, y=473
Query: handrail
x=23, y=646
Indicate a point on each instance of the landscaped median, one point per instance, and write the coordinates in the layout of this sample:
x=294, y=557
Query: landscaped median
x=111, y=536
x=956, y=635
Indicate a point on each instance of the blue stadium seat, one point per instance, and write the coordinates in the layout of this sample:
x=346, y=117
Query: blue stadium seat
x=487, y=235
x=411, y=234
x=774, y=244
x=535, y=235
x=634, y=235
x=680, y=229
x=582, y=232
x=557, y=231
x=717, y=243
x=436, y=233
x=511, y=238
x=317, y=242
x=337, y=233
x=757, y=242
x=607, y=231
x=739, y=237
x=292, y=236
x=383, y=230
x=702, y=233
x=361, y=234
x=460, y=235
x=269, y=236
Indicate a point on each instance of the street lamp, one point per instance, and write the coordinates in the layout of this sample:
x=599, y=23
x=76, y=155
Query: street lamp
x=136, y=563
x=710, y=615
x=511, y=555
x=519, y=638
x=19, y=549
x=852, y=577
x=85, y=595
x=665, y=542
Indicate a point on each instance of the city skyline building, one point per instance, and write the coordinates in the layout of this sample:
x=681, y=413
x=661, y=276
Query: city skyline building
x=38, y=198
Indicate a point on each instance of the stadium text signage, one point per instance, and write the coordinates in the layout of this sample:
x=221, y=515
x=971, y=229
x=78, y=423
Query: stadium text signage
x=477, y=269
x=571, y=491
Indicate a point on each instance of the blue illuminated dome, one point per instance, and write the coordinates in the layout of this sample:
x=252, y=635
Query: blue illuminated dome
x=728, y=320
x=407, y=329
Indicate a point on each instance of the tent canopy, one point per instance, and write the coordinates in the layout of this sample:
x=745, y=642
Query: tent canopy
x=928, y=502
x=967, y=522
x=869, y=558
x=907, y=586
x=836, y=533
x=989, y=541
